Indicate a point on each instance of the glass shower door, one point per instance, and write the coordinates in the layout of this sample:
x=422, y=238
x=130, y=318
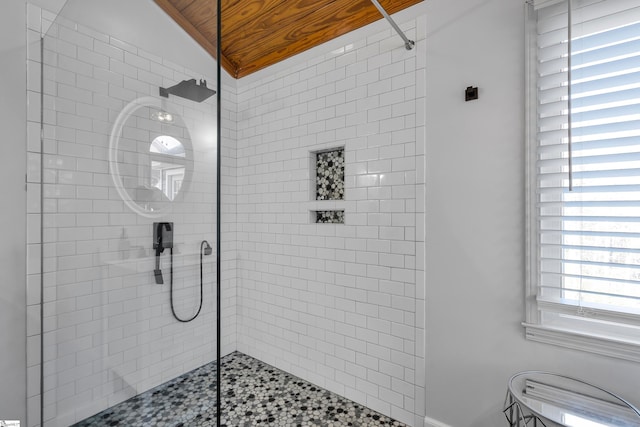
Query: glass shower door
x=128, y=208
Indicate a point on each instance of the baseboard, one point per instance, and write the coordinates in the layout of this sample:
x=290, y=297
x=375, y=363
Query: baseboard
x=430, y=422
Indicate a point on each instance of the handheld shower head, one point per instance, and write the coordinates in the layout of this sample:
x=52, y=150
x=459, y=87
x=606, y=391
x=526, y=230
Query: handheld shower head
x=207, y=248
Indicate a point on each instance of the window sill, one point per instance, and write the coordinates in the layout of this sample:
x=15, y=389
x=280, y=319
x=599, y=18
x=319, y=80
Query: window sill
x=621, y=349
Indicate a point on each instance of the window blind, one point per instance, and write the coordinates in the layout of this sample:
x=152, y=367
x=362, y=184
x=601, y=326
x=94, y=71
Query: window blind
x=588, y=133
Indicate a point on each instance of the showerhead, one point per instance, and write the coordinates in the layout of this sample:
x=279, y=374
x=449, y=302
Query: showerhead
x=189, y=89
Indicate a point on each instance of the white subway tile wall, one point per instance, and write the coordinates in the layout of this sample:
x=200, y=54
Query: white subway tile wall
x=34, y=207
x=339, y=305
x=108, y=329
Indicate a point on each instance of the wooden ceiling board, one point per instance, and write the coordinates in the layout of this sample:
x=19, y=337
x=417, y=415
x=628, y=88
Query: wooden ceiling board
x=260, y=33
x=181, y=4
x=240, y=12
x=208, y=44
x=297, y=38
x=202, y=15
x=324, y=24
x=272, y=29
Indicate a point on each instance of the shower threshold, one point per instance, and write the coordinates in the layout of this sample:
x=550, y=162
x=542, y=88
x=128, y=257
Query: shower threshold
x=253, y=393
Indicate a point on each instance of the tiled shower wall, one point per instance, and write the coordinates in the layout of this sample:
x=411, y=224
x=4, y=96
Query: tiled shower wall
x=339, y=305
x=108, y=329
x=229, y=268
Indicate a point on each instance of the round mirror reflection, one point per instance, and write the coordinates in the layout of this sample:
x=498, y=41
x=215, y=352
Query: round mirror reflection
x=150, y=156
x=167, y=171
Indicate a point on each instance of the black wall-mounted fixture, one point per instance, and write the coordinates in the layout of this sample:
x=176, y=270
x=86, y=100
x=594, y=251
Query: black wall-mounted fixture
x=471, y=93
x=189, y=89
x=208, y=250
x=162, y=239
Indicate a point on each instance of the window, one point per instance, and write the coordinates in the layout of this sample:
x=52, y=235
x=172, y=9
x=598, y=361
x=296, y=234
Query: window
x=167, y=165
x=584, y=175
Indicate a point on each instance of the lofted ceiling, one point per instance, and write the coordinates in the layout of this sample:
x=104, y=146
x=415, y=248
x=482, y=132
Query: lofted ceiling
x=260, y=33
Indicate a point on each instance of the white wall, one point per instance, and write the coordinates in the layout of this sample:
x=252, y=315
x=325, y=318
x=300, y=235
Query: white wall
x=13, y=249
x=475, y=221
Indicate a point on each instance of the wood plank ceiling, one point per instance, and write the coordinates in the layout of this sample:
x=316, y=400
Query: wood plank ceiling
x=259, y=33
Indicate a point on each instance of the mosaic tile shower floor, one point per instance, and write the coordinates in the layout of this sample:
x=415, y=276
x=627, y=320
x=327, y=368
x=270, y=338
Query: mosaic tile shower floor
x=253, y=394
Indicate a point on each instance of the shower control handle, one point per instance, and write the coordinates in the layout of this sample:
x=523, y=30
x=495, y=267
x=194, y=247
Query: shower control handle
x=162, y=239
x=162, y=236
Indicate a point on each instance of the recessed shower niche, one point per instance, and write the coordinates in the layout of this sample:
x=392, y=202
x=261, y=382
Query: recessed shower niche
x=328, y=168
x=150, y=156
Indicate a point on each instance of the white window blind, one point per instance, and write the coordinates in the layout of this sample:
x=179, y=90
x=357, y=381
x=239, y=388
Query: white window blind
x=585, y=216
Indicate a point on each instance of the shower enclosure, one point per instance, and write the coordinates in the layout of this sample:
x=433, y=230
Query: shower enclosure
x=313, y=180
x=128, y=196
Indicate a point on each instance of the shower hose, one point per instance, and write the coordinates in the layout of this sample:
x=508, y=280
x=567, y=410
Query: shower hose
x=171, y=286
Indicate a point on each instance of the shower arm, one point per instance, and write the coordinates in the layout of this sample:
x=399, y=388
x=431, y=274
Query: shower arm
x=408, y=44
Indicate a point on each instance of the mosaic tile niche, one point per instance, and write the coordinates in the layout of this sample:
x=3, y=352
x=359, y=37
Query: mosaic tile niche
x=330, y=175
x=330, y=217
x=330, y=184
